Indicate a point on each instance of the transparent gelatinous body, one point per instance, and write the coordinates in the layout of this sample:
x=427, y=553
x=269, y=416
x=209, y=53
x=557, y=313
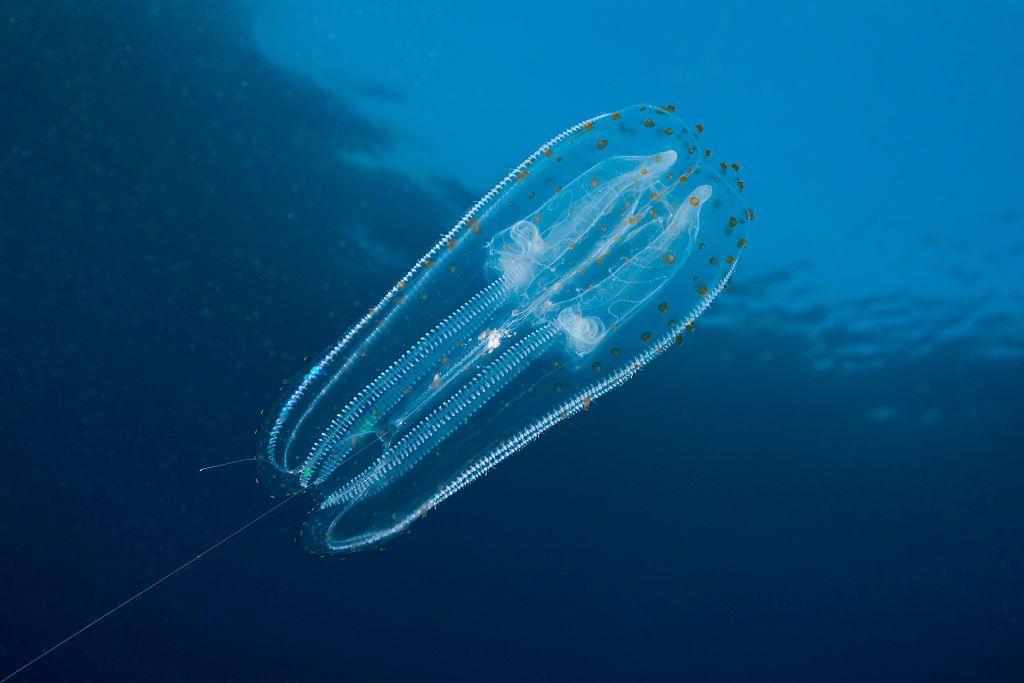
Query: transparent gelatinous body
x=584, y=264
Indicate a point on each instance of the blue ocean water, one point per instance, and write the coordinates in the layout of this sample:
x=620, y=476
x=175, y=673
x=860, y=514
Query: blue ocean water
x=824, y=483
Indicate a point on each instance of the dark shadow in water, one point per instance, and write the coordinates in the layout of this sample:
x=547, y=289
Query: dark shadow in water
x=179, y=226
x=162, y=182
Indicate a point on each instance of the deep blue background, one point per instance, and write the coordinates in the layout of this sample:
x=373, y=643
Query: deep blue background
x=826, y=484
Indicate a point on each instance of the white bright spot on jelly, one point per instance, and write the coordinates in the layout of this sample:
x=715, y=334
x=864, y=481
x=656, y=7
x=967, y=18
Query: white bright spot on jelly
x=583, y=265
x=584, y=332
x=492, y=339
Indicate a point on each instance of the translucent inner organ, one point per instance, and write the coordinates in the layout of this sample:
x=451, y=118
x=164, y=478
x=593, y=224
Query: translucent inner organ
x=579, y=275
x=566, y=279
x=601, y=247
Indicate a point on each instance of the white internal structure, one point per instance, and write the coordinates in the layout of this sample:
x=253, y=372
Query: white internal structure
x=598, y=248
